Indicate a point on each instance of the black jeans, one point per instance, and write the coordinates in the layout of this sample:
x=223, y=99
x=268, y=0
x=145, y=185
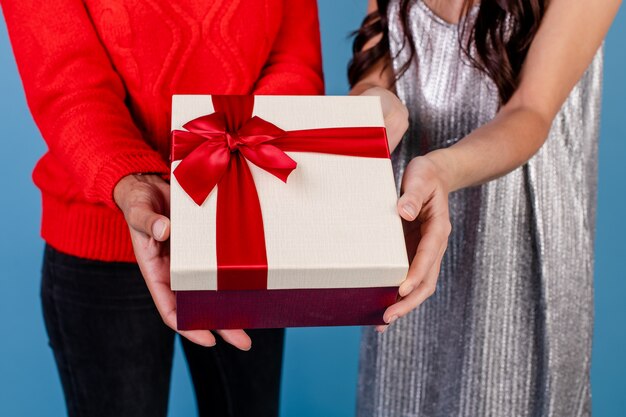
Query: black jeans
x=114, y=354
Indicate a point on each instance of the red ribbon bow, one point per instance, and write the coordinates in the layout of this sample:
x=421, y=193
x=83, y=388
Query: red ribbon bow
x=213, y=152
x=214, y=146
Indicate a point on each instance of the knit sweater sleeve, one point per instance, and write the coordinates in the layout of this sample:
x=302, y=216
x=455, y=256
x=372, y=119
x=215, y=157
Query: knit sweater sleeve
x=295, y=63
x=75, y=95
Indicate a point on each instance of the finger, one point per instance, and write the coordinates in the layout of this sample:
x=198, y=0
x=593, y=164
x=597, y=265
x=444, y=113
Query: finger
x=237, y=338
x=167, y=310
x=429, y=250
x=165, y=302
x=165, y=193
x=199, y=337
x=415, y=298
x=382, y=328
x=409, y=205
x=397, y=123
x=142, y=218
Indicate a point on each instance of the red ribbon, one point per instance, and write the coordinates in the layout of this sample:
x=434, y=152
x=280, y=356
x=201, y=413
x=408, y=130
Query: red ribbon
x=213, y=152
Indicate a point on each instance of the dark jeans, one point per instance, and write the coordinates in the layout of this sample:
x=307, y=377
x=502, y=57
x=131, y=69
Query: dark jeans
x=114, y=354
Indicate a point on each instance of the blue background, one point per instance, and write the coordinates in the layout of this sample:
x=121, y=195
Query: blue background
x=320, y=364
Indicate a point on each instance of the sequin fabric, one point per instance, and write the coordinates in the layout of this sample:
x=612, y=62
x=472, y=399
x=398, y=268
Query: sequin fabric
x=508, y=331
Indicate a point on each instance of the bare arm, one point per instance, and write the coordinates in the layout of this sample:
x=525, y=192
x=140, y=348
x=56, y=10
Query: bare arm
x=379, y=82
x=569, y=36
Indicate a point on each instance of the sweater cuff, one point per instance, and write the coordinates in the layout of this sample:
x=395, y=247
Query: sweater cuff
x=119, y=166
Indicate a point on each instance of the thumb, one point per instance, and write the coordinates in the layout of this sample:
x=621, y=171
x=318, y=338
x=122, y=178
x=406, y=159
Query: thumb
x=142, y=218
x=409, y=205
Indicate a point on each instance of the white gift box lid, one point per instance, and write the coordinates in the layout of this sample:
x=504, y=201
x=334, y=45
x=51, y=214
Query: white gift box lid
x=334, y=224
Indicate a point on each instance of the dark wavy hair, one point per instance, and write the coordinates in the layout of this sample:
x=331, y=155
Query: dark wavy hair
x=500, y=35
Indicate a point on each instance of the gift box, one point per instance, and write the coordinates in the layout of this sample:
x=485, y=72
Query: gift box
x=283, y=212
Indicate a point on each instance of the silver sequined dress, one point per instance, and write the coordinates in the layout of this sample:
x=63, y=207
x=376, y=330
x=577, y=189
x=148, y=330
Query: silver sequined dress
x=508, y=331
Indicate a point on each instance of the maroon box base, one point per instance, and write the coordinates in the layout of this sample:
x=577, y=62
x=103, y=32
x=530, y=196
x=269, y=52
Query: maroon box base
x=282, y=308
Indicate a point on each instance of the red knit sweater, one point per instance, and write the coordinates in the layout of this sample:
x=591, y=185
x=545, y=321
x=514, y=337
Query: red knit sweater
x=99, y=76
